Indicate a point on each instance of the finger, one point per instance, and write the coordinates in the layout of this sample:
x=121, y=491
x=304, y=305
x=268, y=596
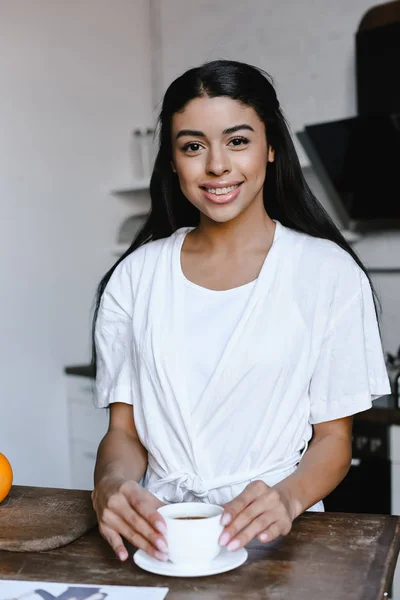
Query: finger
x=121, y=506
x=259, y=526
x=243, y=519
x=238, y=504
x=263, y=503
x=115, y=541
x=270, y=534
x=268, y=526
x=275, y=530
x=145, y=529
x=113, y=521
x=146, y=504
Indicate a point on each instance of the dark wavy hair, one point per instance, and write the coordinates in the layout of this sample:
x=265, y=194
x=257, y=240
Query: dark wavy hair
x=287, y=196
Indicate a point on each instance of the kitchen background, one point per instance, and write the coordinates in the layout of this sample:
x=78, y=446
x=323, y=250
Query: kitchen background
x=77, y=78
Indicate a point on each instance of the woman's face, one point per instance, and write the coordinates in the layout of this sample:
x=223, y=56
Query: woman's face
x=220, y=155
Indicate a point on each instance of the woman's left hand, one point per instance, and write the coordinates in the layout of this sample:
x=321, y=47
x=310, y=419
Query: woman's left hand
x=259, y=511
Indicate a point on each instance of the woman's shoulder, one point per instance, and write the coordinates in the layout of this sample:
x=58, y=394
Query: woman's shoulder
x=323, y=263
x=325, y=276
x=319, y=251
x=134, y=270
x=149, y=252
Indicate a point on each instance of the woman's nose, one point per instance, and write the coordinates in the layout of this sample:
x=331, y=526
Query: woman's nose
x=218, y=162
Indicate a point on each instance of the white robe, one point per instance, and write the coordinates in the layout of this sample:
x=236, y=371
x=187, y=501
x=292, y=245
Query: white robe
x=306, y=350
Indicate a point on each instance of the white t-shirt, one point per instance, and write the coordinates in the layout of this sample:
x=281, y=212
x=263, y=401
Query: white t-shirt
x=210, y=318
x=305, y=349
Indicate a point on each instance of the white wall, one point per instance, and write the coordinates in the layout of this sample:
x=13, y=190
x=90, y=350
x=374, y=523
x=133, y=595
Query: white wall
x=309, y=49
x=75, y=79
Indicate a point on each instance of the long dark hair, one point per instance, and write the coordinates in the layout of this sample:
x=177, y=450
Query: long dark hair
x=287, y=196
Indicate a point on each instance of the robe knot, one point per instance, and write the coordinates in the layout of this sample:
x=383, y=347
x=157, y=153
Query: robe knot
x=193, y=483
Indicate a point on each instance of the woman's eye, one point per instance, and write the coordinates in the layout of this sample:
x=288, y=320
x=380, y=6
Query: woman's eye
x=240, y=141
x=191, y=147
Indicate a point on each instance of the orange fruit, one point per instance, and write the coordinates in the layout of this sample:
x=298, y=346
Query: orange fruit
x=6, y=477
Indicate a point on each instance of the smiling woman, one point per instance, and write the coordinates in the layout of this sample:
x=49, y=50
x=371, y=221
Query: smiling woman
x=220, y=164
x=237, y=336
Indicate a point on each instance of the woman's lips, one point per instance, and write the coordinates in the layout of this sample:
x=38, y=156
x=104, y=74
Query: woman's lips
x=222, y=198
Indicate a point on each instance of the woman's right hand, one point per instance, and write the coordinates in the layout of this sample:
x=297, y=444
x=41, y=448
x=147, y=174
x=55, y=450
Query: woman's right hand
x=125, y=509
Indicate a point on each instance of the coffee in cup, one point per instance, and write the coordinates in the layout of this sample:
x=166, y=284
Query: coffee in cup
x=189, y=518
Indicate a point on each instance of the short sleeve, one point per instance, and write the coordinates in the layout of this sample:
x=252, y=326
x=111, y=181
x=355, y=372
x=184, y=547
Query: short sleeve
x=350, y=370
x=113, y=341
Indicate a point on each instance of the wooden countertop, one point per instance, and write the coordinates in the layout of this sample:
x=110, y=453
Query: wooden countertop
x=326, y=555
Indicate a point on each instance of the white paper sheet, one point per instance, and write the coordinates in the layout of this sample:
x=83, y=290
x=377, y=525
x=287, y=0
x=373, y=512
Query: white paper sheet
x=45, y=590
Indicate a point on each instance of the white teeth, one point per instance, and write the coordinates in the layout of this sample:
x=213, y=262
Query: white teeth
x=220, y=191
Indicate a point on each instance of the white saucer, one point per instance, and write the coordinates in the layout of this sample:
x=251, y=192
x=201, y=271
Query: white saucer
x=225, y=561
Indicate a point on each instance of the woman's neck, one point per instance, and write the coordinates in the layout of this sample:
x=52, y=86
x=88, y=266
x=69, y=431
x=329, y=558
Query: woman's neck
x=237, y=235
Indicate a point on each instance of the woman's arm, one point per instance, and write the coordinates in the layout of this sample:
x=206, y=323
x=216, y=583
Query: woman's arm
x=267, y=512
x=120, y=452
x=123, y=508
x=322, y=468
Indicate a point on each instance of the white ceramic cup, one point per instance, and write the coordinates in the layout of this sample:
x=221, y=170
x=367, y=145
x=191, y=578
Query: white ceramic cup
x=192, y=541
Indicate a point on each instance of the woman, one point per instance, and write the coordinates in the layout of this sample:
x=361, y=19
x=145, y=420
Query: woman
x=237, y=336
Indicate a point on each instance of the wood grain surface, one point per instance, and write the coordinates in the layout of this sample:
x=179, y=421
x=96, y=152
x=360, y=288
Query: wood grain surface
x=326, y=556
x=35, y=518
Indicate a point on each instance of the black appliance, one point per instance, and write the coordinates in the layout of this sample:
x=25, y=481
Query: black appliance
x=357, y=159
x=377, y=68
x=367, y=486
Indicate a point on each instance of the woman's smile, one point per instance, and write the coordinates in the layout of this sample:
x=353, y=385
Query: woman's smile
x=222, y=195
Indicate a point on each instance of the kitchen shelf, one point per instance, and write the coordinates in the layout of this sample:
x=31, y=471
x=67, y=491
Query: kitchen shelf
x=135, y=186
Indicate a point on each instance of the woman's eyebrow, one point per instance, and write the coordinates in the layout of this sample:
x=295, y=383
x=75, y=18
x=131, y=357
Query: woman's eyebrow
x=236, y=128
x=198, y=133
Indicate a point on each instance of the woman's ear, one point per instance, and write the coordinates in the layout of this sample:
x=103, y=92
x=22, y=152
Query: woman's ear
x=173, y=167
x=271, y=154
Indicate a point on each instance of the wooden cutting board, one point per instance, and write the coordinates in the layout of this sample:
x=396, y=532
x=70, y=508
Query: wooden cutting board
x=34, y=519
